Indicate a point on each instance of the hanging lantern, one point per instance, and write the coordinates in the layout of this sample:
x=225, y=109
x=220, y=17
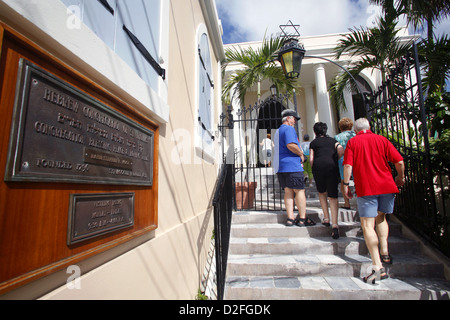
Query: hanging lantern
x=291, y=57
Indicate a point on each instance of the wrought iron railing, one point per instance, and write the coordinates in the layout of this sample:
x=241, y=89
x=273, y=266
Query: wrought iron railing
x=257, y=186
x=398, y=113
x=223, y=208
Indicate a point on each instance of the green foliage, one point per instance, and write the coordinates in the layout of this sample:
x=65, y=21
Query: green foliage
x=201, y=296
x=438, y=109
x=435, y=59
x=378, y=48
x=259, y=64
x=440, y=151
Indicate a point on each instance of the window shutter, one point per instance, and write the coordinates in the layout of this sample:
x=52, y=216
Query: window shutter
x=205, y=87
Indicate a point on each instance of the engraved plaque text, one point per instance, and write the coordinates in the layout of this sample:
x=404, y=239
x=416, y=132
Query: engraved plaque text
x=61, y=134
x=93, y=215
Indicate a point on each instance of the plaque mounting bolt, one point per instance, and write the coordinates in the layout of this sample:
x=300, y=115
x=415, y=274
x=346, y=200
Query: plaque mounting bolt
x=25, y=165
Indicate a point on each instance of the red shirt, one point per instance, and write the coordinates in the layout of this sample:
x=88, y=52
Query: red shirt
x=368, y=154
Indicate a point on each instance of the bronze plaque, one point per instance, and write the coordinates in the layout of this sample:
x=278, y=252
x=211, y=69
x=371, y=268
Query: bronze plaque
x=61, y=134
x=93, y=215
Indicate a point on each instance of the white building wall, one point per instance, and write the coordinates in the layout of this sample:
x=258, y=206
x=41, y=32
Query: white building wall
x=167, y=263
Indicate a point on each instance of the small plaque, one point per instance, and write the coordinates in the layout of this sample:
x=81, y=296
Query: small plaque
x=93, y=215
x=61, y=134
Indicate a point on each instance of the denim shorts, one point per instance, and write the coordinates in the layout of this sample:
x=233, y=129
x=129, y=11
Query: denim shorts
x=292, y=180
x=369, y=206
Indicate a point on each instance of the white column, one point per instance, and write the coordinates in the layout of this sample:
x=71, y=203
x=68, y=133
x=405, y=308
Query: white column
x=310, y=111
x=323, y=99
x=238, y=133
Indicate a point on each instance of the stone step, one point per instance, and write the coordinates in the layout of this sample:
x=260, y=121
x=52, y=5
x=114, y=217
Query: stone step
x=251, y=217
x=268, y=260
x=311, y=198
x=279, y=230
x=318, y=245
x=334, y=288
x=351, y=265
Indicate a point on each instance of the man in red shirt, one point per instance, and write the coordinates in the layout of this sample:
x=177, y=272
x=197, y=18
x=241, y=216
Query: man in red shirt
x=367, y=154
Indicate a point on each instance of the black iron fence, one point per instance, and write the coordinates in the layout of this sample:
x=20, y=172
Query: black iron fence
x=223, y=208
x=397, y=112
x=256, y=185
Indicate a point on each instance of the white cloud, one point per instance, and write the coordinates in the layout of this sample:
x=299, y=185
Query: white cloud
x=443, y=28
x=249, y=20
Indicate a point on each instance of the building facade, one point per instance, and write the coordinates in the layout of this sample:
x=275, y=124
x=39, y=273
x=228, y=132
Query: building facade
x=312, y=94
x=124, y=83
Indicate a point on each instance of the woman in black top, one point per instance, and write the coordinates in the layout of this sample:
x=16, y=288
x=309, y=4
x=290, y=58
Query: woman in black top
x=324, y=153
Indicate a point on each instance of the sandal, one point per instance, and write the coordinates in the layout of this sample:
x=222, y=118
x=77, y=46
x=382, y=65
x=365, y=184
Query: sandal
x=380, y=275
x=309, y=222
x=335, y=233
x=383, y=274
x=387, y=259
x=290, y=223
x=326, y=222
x=300, y=222
x=304, y=222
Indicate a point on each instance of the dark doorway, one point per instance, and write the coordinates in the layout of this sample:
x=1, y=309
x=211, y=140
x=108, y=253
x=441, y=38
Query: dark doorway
x=269, y=120
x=359, y=107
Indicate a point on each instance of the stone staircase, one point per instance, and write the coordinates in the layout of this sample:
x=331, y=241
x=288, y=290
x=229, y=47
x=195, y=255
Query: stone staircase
x=269, y=261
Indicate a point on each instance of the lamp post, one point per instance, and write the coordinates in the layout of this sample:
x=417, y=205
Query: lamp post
x=291, y=57
x=273, y=90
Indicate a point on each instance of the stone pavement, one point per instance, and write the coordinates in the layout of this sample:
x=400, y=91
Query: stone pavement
x=270, y=261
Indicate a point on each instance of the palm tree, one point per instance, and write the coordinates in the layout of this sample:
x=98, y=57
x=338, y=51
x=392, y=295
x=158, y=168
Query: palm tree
x=378, y=48
x=420, y=13
x=435, y=57
x=259, y=64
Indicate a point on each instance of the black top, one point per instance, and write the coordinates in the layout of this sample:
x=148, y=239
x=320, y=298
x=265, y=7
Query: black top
x=325, y=157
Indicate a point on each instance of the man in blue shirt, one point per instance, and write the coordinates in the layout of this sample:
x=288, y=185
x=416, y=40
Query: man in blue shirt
x=288, y=160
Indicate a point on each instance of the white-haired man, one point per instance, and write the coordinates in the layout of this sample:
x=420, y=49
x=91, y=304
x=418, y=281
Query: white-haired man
x=367, y=155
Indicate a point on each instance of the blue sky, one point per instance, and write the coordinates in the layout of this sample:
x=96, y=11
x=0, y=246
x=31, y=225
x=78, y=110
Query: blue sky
x=251, y=20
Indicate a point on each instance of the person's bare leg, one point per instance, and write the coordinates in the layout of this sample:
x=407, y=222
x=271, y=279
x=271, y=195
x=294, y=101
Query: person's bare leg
x=346, y=201
x=382, y=229
x=371, y=239
x=334, y=208
x=300, y=201
x=324, y=205
x=289, y=202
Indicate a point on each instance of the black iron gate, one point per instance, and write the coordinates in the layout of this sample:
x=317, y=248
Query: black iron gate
x=397, y=112
x=256, y=185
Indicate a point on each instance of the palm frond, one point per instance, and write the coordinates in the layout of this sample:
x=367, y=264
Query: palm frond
x=376, y=48
x=435, y=57
x=259, y=64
